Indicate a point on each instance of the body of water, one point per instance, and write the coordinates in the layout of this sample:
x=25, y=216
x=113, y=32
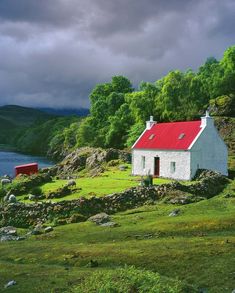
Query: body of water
x=8, y=160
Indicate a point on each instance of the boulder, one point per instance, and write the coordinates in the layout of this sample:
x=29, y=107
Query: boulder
x=10, y=283
x=12, y=199
x=48, y=229
x=100, y=218
x=174, y=213
x=109, y=224
x=122, y=167
x=9, y=230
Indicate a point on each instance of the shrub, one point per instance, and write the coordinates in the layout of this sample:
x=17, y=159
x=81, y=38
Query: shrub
x=128, y=280
x=36, y=191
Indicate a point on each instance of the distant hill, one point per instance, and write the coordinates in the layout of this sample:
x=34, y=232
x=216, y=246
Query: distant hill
x=66, y=112
x=14, y=119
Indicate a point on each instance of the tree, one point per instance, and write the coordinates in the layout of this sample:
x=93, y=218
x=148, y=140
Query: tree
x=119, y=125
x=106, y=103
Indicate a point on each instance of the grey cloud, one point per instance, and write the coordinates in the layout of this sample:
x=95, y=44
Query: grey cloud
x=54, y=52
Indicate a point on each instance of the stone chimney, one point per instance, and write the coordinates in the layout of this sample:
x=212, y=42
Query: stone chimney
x=207, y=120
x=150, y=123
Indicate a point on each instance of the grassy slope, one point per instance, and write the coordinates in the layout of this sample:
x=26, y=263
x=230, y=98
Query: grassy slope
x=197, y=247
x=15, y=118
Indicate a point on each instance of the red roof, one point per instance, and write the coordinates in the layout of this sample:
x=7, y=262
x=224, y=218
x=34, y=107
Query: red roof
x=27, y=165
x=169, y=136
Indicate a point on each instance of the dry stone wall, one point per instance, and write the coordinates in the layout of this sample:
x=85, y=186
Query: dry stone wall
x=25, y=215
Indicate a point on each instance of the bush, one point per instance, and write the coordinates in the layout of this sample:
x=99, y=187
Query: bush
x=128, y=280
x=2, y=192
x=36, y=191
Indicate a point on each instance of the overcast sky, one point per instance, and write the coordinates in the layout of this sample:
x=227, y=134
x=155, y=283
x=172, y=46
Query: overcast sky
x=53, y=52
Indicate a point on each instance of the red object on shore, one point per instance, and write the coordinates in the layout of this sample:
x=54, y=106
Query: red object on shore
x=27, y=169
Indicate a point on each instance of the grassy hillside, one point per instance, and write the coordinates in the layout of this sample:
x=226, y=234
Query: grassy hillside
x=197, y=247
x=148, y=251
x=14, y=119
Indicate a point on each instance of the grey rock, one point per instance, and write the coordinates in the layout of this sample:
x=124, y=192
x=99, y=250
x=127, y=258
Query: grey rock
x=32, y=197
x=10, y=283
x=109, y=224
x=100, y=218
x=174, y=213
x=36, y=232
x=71, y=182
x=12, y=199
x=122, y=167
x=5, y=238
x=48, y=229
x=9, y=230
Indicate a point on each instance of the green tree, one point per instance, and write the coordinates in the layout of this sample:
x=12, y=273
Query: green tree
x=119, y=125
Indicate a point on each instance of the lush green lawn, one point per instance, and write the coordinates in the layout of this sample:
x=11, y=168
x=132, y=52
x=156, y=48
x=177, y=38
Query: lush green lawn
x=197, y=247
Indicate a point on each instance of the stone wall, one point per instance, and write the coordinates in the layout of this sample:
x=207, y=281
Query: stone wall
x=25, y=215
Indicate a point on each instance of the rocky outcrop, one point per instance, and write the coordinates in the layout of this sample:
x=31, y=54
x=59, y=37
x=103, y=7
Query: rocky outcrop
x=208, y=183
x=92, y=159
x=9, y=233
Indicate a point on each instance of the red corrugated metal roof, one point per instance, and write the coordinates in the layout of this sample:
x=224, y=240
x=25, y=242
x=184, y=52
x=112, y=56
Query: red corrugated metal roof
x=169, y=136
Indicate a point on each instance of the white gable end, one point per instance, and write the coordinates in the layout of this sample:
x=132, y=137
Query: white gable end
x=209, y=152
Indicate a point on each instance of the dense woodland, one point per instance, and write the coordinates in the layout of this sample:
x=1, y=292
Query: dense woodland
x=118, y=112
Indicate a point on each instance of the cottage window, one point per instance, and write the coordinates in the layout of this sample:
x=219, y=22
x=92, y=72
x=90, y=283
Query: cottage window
x=143, y=162
x=172, y=167
x=151, y=136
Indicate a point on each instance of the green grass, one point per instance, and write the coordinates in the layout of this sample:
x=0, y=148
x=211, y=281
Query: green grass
x=196, y=247
x=129, y=279
x=111, y=181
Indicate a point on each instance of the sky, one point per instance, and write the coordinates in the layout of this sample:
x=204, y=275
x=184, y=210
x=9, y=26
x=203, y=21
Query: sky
x=54, y=52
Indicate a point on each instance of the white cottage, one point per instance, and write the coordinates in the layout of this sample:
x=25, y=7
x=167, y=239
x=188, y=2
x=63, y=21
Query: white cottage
x=178, y=149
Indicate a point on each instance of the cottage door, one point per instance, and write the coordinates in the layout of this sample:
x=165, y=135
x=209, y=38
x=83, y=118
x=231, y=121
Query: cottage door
x=156, y=166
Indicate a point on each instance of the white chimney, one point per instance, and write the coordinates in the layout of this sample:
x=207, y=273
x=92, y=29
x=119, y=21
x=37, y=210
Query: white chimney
x=207, y=120
x=150, y=123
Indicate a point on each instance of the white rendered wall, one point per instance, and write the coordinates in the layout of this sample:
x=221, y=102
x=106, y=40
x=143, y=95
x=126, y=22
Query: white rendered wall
x=181, y=159
x=209, y=152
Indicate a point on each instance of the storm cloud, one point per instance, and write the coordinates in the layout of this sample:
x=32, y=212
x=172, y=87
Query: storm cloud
x=53, y=52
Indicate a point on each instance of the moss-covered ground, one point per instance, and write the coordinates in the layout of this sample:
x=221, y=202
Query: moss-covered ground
x=196, y=247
